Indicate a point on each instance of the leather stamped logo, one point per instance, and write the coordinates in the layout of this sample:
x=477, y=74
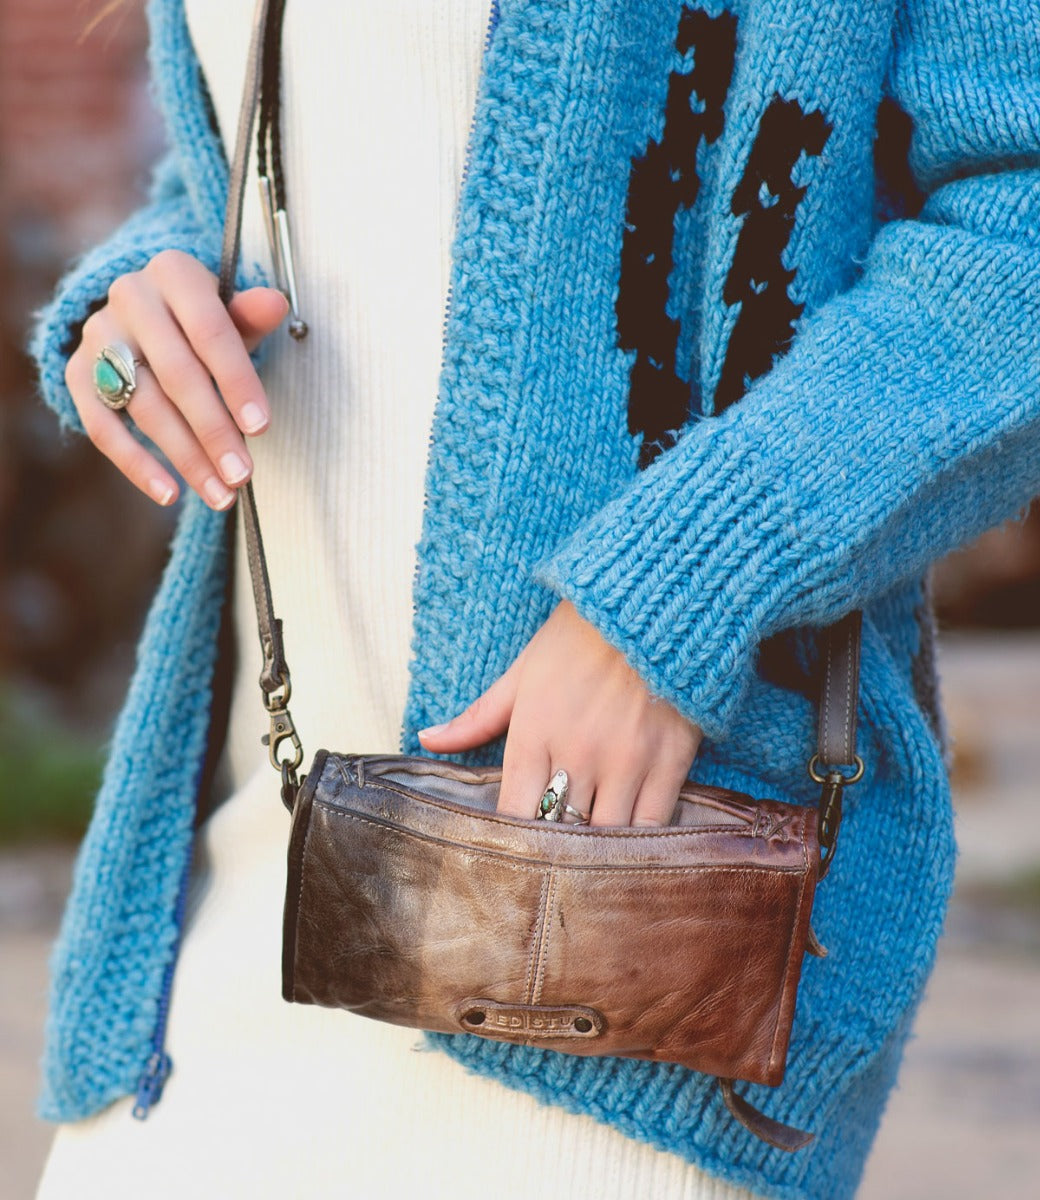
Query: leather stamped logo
x=491, y=1018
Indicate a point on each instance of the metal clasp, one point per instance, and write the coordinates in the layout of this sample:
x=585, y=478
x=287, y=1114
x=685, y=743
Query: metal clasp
x=282, y=730
x=277, y=225
x=834, y=784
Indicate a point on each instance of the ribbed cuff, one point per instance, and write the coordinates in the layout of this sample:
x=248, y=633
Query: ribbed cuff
x=900, y=424
x=683, y=572
x=58, y=326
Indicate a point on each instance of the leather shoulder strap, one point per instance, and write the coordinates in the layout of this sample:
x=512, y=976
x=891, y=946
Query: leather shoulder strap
x=274, y=674
x=839, y=691
x=243, y=139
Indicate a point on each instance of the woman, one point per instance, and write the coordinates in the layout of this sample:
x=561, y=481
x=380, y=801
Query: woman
x=705, y=388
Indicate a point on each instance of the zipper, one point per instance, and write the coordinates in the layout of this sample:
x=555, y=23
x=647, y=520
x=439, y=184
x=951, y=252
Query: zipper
x=489, y=34
x=494, y=15
x=157, y=1069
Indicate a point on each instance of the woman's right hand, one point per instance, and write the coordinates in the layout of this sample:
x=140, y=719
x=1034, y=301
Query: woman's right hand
x=197, y=390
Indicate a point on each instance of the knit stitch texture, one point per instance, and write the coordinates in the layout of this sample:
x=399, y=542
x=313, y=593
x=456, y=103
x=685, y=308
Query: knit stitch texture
x=900, y=420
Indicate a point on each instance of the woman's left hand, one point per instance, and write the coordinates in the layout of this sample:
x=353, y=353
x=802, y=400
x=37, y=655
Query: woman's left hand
x=570, y=700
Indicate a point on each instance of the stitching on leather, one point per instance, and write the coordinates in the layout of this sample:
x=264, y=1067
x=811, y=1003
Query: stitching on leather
x=529, y=980
x=344, y=774
x=826, y=703
x=708, y=795
x=505, y=859
x=548, y=904
x=849, y=748
x=299, y=897
x=803, y=839
x=790, y=962
x=260, y=585
x=252, y=548
x=513, y=863
x=551, y=829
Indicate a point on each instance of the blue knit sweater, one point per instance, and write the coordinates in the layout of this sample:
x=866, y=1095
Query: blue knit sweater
x=729, y=353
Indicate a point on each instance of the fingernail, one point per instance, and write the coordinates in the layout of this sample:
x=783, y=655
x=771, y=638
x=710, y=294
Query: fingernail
x=161, y=492
x=233, y=467
x=253, y=417
x=217, y=494
x=433, y=730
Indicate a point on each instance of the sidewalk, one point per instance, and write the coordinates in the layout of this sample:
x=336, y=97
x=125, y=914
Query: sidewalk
x=963, y=1123
x=33, y=884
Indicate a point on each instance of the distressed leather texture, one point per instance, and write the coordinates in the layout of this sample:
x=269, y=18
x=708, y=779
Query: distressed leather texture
x=410, y=901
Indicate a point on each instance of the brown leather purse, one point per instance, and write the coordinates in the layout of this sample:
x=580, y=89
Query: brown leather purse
x=410, y=900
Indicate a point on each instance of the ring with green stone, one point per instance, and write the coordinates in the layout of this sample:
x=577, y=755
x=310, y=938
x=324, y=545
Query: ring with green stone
x=115, y=375
x=553, y=803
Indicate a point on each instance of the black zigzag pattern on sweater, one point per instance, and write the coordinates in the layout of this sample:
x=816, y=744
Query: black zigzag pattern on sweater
x=758, y=281
x=662, y=182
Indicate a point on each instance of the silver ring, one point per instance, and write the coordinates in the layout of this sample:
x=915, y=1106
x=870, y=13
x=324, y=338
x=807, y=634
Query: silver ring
x=553, y=805
x=115, y=375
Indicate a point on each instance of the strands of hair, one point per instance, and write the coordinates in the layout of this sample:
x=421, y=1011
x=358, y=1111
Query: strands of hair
x=107, y=9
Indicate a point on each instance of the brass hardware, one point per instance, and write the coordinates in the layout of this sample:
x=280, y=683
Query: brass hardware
x=282, y=730
x=848, y=780
x=280, y=695
x=829, y=821
x=834, y=784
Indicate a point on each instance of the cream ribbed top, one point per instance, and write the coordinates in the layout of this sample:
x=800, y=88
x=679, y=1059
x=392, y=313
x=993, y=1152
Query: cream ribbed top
x=377, y=106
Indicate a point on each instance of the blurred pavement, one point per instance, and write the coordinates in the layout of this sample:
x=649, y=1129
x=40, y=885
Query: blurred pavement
x=964, y=1122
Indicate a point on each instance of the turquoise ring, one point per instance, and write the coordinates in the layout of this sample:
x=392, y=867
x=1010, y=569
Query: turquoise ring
x=554, y=797
x=554, y=806
x=115, y=375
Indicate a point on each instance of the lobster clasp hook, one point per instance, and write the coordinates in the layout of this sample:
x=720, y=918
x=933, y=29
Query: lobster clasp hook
x=833, y=784
x=282, y=730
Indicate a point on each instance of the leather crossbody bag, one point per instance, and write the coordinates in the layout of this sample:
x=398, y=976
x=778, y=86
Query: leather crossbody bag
x=410, y=900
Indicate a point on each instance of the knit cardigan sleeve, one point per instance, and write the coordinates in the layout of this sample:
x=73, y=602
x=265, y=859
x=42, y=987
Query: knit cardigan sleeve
x=167, y=221
x=903, y=421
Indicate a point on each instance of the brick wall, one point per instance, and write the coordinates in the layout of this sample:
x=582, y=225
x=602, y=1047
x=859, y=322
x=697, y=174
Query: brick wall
x=77, y=128
x=79, y=547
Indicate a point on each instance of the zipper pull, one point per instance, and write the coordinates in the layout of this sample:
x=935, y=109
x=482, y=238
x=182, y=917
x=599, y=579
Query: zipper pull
x=297, y=325
x=278, y=236
x=150, y=1085
x=267, y=208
